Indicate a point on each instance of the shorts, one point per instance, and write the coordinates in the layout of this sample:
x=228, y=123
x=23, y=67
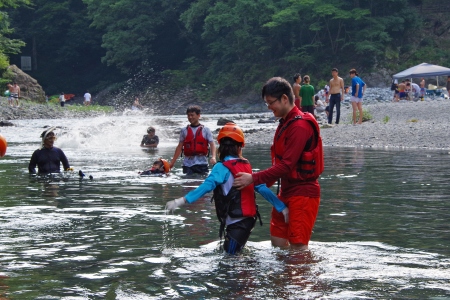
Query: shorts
x=198, y=169
x=402, y=95
x=302, y=216
x=14, y=95
x=356, y=99
x=237, y=235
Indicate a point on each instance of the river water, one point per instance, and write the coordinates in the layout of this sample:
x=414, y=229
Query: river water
x=382, y=229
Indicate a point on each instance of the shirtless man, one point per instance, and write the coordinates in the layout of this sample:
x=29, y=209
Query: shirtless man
x=422, y=88
x=401, y=90
x=296, y=87
x=15, y=93
x=336, y=95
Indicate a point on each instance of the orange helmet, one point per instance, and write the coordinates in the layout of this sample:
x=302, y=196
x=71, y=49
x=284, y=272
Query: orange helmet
x=232, y=131
x=166, y=165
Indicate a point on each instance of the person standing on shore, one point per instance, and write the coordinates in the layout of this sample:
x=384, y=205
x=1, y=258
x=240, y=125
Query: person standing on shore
x=87, y=99
x=422, y=88
x=336, y=95
x=297, y=160
x=62, y=99
x=15, y=93
x=10, y=97
x=296, y=87
x=194, y=141
x=358, y=91
x=307, y=96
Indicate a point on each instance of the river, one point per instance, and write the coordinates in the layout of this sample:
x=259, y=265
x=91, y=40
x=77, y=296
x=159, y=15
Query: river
x=382, y=229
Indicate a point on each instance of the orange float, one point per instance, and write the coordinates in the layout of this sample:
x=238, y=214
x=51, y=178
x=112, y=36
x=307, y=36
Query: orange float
x=166, y=165
x=3, y=145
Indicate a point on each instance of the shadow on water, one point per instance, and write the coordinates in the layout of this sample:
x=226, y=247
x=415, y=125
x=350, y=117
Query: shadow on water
x=382, y=229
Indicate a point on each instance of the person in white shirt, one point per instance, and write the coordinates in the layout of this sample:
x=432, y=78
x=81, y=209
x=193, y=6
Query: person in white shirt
x=87, y=99
x=62, y=99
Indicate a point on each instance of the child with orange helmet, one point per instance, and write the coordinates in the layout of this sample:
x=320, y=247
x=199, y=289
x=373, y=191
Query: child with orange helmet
x=237, y=210
x=161, y=166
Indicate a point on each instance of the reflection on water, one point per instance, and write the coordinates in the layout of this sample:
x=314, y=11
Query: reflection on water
x=382, y=229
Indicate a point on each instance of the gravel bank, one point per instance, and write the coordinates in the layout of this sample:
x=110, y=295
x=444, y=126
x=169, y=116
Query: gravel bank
x=422, y=124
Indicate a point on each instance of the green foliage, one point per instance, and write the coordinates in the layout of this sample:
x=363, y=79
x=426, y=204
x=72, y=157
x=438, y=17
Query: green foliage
x=386, y=119
x=367, y=116
x=90, y=108
x=230, y=46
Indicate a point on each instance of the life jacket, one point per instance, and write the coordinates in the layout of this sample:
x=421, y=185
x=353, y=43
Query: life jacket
x=195, y=145
x=236, y=204
x=311, y=162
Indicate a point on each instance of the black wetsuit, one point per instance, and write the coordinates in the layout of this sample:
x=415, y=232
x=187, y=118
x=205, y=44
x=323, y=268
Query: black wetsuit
x=146, y=140
x=48, y=161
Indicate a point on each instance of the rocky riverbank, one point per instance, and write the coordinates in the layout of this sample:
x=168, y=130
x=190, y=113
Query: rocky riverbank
x=398, y=125
x=404, y=124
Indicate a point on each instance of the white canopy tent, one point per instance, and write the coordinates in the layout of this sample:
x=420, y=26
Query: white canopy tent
x=423, y=70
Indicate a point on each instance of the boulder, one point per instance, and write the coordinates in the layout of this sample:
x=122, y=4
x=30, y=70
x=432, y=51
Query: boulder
x=223, y=121
x=29, y=87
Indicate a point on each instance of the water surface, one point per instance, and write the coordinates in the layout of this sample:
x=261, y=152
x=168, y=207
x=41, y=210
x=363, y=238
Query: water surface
x=382, y=229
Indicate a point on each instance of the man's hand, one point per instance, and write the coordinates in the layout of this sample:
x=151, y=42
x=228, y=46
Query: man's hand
x=212, y=161
x=242, y=180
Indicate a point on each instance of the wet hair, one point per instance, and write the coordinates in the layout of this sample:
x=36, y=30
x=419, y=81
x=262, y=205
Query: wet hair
x=353, y=71
x=316, y=98
x=194, y=109
x=408, y=84
x=334, y=69
x=296, y=76
x=159, y=163
x=227, y=147
x=150, y=129
x=277, y=87
x=306, y=78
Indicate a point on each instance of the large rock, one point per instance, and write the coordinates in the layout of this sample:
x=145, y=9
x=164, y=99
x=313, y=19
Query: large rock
x=29, y=87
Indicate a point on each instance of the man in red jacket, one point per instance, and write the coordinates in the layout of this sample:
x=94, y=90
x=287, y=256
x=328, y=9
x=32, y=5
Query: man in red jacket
x=297, y=158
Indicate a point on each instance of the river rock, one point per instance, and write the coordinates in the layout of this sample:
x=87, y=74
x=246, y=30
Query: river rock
x=223, y=121
x=5, y=123
x=29, y=87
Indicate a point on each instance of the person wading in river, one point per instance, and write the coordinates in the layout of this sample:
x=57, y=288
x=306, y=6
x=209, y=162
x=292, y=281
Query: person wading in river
x=236, y=210
x=297, y=159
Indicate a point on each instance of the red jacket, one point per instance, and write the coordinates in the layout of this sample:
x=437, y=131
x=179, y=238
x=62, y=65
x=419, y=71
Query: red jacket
x=294, y=139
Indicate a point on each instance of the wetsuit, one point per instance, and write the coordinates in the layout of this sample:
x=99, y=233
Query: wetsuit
x=146, y=140
x=48, y=161
x=238, y=229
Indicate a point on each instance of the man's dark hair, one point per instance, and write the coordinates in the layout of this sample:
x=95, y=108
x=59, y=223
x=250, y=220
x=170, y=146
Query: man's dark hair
x=296, y=76
x=334, y=69
x=408, y=84
x=277, y=87
x=353, y=71
x=194, y=108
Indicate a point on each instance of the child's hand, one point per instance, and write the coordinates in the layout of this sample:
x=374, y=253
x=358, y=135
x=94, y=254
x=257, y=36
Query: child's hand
x=174, y=204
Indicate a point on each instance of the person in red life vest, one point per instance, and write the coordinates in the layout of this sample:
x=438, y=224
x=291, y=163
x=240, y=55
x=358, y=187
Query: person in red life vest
x=297, y=159
x=236, y=210
x=194, y=141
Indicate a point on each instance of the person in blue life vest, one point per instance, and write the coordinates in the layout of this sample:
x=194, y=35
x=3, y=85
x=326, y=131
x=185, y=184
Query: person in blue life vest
x=48, y=158
x=237, y=210
x=195, y=142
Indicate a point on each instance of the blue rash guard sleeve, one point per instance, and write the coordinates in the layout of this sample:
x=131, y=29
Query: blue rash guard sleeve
x=270, y=197
x=219, y=175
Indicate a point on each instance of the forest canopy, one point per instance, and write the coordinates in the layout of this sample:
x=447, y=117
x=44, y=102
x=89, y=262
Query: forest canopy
x=229, y=46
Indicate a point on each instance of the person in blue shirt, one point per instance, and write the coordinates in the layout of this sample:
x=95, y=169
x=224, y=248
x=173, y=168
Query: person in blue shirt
x=358, y=91
x=48, y=158
x=237, y=210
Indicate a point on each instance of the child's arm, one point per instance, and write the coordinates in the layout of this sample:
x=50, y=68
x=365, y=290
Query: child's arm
x=273, y=199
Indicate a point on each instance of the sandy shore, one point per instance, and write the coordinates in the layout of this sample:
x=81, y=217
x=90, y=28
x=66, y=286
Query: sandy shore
x=422, y=124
